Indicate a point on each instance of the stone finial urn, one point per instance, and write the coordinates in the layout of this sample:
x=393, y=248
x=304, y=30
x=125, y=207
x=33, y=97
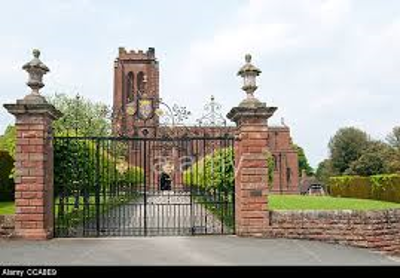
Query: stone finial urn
x=249, y=73
x=36, y=69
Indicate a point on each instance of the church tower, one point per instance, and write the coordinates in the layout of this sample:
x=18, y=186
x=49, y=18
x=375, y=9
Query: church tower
x=136, y=92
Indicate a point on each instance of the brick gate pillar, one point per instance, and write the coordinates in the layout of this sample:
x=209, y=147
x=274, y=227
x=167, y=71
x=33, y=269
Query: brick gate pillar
x=34, y=159
x=251, y=152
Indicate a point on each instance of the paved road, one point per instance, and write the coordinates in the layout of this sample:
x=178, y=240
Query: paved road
x=168, y=214
x=206, y=250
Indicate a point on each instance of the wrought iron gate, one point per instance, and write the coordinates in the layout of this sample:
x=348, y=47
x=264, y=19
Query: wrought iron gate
x=127, y=186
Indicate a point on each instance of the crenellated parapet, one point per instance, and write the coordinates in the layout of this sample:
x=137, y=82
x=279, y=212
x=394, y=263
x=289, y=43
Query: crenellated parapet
x=124, y=54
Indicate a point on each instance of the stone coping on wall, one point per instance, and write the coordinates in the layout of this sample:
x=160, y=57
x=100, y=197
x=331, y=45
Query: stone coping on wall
x=374, y=229
x=7, y=225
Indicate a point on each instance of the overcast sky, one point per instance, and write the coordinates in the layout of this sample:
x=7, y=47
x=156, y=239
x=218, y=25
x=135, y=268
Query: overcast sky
x=326, y=63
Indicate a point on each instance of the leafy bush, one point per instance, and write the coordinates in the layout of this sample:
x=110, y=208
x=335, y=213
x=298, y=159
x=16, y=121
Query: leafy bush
x=74, y=166
x=378, y=187
x=350, y=186
x=303, y=161
x=6, y=182
x=386, y=187
x=7, y=140
x=217, y=171
x=79, y=165
x=127, y=180
x=134, y=175
x=214, y=171
x=271, y=169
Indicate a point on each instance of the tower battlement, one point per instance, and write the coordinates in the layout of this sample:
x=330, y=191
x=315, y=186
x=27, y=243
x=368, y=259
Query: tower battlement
x=124, y=54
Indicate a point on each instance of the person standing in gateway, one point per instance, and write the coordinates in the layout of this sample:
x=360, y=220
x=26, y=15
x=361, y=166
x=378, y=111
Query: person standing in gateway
x=166, y=177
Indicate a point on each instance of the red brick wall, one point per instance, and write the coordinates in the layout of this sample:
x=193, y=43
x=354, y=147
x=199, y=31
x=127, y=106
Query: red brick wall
x=286, y=174
x=379, y=230
x=251, y=179
x=34, y=174
x=279, y=138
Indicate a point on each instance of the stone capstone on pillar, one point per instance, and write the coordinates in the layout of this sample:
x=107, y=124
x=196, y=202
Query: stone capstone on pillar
x=251, y=157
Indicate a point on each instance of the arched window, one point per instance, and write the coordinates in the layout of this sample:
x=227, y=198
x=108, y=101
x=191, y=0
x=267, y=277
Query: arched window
x=140, y=83
x=275, y=162
x=288, y=176
x=130, y=87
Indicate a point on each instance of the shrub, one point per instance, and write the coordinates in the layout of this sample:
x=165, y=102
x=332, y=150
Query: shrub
x=133, y=176
x=378, y=187
x=74, y=166
x=81, y=165
x=213, y=172
x=7, y=140
x=386, y=187
x=128, y=180
x=217, y=171
x=6, y=182
x=271, y=169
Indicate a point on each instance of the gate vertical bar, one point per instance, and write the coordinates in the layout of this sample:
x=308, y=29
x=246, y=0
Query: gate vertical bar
x=232, y=143
x=192, y=220
x=97, y=191
x=55, y=195
x=222, y=198
x=145, y=187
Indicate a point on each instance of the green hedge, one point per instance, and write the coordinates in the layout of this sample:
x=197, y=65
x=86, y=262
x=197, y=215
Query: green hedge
x=379, y=187
x=213, y=172
x=79, y=165
x=75, y=163
x=133, y=175
x=386, y=187
x=213, y=178
x=217, y=171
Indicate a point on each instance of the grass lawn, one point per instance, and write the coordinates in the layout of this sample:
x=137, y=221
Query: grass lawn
x=296, y=202
x=7, y=208
x=293, y=202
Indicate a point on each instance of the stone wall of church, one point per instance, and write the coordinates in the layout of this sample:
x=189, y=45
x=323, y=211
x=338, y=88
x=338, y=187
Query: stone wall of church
x=286, y=174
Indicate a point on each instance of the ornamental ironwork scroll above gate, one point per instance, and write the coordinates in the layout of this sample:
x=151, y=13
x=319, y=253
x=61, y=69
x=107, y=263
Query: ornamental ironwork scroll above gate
x=144, y=116
x=213, y=116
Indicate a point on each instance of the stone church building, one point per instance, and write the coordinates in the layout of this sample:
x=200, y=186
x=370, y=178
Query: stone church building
x=137, y=92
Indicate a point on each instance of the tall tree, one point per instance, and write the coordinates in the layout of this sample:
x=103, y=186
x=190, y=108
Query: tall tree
x=394, y=138
x=6, y=182
x=303, y=161
x=393, y=161
x=347, y=146
x=80, y=116
x=373, y=161
x=394, y=156
x=7, y=140
x=325, y=171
